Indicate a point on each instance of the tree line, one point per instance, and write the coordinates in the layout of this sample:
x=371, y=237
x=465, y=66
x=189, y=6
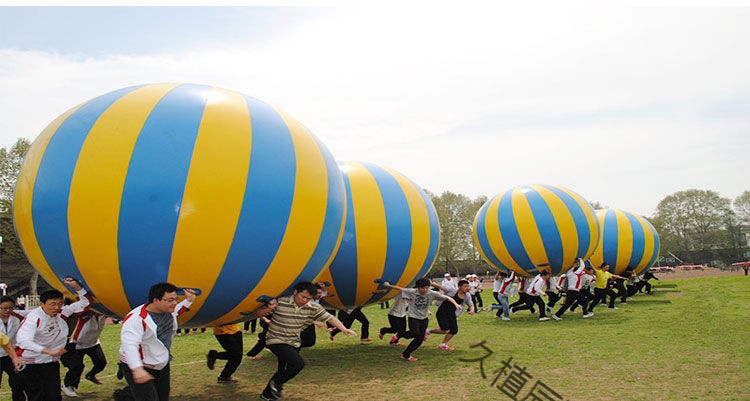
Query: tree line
x=695, y=226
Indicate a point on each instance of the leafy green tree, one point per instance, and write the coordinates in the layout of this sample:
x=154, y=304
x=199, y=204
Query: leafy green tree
x=695, y=224
x=456, y=214
x=10, y=166
x=742, y=207
x=11, y=160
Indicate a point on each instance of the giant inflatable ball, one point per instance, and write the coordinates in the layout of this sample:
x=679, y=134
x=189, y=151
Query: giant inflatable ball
x=195, y=185
x=391, y=233
x=628, y=240
x=532, y=228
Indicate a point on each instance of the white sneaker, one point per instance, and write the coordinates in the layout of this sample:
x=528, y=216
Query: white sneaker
x=543, y=319
x=69, y=391
x=556, y=317
x=505, y=318
x=588, y=315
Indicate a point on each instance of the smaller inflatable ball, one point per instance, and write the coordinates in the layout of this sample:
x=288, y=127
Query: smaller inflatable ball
x=195, y=185
x=628, y=240
x=531, y=228
x=391, y=233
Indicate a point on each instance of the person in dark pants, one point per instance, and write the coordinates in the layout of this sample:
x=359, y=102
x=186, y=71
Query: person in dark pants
x=447, y=315
x=534, y=292
x=41, y=340
x=348, y=317
x=10, y=365
x=292, y=315
x=250, y=326
x=396, y=318
x=552, y=289
x=421, y=298
x=84, y=341
x=575, y=279
x=601, y=287
x=626, y=287
x=523, y=298
x=10, y=321
x=261, y=344
x=146, y=338
x=230, y=338
x=644, y=282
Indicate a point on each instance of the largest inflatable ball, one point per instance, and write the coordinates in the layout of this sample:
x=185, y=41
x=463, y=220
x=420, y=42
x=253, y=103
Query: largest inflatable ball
x=535, y=227
x=195, y=185
x=391, y=233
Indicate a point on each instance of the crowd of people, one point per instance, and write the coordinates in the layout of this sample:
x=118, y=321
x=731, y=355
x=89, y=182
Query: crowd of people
x=36, y=342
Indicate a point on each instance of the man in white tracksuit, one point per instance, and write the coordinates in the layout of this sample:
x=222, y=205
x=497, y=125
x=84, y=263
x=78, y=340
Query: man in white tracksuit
x=145, y=340
x=41, y=340
x=535, y=291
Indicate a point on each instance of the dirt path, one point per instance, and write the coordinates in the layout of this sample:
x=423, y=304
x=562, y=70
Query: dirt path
x=707, y=272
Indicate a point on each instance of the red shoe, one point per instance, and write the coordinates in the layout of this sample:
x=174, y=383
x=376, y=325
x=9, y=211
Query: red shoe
x=426, y=335
x=446, y=347
x=397, y=343
x=380, y=336
x=394, y=339
x=410, y=359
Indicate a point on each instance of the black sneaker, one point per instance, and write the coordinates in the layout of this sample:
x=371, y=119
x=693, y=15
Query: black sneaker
x=267, y=397
x=226, y=380
x=211, y=359
x=276, y=391
x=93, y=379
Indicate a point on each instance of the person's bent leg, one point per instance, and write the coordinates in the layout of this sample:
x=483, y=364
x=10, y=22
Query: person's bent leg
x=417, y=328
x=293, y=362
x=540, y=304
x=97, y=358
x=233, y=345
x=73, y=360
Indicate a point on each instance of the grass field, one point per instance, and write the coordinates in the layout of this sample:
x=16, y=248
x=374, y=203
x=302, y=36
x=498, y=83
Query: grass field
x=689, y=341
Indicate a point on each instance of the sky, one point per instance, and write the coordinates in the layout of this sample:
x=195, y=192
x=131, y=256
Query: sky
x=623, y=105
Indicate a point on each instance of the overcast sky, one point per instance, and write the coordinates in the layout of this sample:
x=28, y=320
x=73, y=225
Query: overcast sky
x=621, y=105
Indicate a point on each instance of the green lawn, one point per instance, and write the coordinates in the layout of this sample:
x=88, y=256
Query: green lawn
x=689, y=341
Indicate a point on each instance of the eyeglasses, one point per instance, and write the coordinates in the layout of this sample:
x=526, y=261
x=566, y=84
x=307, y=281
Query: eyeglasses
x=172, y=300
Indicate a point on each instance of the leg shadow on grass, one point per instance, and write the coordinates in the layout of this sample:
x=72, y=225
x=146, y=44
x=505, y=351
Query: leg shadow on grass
x=653, y=301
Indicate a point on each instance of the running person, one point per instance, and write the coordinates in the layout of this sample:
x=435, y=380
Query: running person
x=421, y=298
x=447, y=313
x=292, y=315
x=396, y=318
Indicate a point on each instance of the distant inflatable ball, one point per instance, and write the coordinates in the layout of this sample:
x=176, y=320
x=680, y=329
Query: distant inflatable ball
x=195, y=185
x=391, y=232
x=628, y=240
x=536, y=227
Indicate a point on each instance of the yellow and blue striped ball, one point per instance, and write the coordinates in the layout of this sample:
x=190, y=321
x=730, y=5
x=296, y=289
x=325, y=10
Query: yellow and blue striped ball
x=391, y=233
x=628, y=240
x=194, y=185
x=532, y=228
